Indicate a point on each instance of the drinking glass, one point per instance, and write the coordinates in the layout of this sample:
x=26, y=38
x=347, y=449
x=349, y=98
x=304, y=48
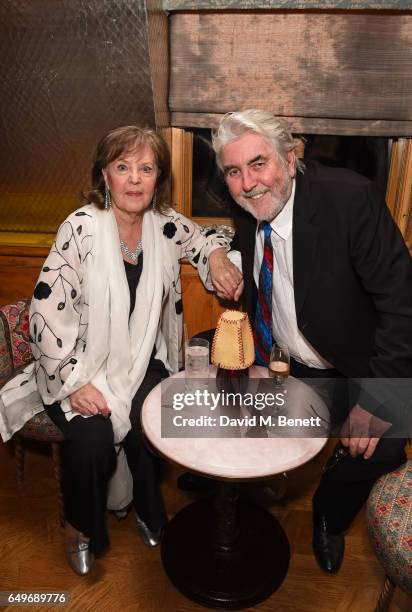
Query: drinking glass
x=279, y=363
x=196, y=359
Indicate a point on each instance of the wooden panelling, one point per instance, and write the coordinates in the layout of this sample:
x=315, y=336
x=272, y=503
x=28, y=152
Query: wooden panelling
x=201, y=308
x=346, y=66
x=19, y=270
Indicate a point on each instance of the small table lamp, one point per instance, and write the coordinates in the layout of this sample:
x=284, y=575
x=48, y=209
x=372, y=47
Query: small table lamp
x=233, y=350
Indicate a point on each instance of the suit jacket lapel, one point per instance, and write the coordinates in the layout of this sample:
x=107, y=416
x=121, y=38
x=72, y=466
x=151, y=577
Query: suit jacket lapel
x=305, y=239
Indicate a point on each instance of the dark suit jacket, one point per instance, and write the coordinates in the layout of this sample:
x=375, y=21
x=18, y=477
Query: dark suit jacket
x=352, y=273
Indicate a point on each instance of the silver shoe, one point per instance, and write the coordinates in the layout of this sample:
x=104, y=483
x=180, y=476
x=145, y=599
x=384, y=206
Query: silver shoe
x=79, y=557
x=149, y=537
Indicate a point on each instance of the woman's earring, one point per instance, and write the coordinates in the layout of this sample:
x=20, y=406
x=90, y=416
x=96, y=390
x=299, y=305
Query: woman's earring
x=154, y=200
x=107, y=198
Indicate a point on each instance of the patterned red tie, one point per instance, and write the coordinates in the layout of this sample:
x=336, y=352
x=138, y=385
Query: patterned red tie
x=262, y=331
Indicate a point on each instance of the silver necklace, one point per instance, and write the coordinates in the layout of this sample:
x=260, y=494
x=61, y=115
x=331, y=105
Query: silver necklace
x=133, y=255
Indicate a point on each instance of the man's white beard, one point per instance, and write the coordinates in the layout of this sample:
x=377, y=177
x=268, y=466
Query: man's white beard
x=279, y=197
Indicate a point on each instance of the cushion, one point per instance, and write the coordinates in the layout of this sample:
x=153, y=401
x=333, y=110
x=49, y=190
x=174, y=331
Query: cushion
x=15, y=332
x=15, y=353
x=6, y=365
x=390, y=524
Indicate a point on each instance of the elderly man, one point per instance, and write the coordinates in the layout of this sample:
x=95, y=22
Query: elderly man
x=326, y=272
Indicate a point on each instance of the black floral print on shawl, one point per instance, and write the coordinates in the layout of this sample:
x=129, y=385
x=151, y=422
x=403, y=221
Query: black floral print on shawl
x=60, y=284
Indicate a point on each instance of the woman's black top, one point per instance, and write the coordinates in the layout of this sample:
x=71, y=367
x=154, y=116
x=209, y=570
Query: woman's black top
x=133, y=274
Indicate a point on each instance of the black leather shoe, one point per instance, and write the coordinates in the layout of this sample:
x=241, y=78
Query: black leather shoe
x=328, y=548
x=193, y=482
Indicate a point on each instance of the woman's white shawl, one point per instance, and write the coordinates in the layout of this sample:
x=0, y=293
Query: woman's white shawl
x=79, y=316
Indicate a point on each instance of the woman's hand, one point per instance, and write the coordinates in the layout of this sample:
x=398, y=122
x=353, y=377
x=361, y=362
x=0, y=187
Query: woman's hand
x=226, y=277
x=89, y=401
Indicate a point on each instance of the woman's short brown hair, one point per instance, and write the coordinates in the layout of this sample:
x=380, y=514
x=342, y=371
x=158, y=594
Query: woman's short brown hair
x=126, y=139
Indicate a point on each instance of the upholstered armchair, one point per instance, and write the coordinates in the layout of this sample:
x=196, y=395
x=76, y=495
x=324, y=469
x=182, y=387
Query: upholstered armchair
x=389, y=516
x=15, y=353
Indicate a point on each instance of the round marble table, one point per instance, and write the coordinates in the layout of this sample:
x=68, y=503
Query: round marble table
x=220, y=552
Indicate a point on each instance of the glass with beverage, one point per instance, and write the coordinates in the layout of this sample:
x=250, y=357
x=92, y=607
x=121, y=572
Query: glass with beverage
x=196, y=361
x=279, y=361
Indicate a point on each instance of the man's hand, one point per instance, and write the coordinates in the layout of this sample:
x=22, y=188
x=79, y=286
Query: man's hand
x=226, y=277
x=89, y=401
x=362, y=432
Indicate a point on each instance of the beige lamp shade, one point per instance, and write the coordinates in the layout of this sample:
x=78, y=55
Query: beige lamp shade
x=232, y=347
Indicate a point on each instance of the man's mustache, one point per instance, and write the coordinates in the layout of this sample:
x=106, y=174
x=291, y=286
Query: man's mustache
x=255, y=192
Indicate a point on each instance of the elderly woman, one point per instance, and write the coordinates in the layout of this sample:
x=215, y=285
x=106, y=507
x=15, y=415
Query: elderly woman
x=105, y=328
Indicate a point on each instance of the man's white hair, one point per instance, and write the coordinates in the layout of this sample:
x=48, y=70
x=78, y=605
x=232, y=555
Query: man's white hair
x=274, y=130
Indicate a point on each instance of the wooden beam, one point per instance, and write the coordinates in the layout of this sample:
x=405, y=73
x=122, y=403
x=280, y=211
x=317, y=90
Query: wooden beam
x=399, y=188
x=330, y=5
x=158, y=47
x=181, y=158
x=308, y=125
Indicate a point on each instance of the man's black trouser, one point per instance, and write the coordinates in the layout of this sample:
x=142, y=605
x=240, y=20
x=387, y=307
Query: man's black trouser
x=345, y=485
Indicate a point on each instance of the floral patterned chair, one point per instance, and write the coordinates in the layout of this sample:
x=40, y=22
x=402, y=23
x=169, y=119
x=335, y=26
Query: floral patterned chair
x=389, y=512
x=15, y=353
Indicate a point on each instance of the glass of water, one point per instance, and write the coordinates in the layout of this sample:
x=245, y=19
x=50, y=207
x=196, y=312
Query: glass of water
x=196, y=359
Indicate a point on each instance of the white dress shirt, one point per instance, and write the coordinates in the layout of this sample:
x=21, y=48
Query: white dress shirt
x=284, y=323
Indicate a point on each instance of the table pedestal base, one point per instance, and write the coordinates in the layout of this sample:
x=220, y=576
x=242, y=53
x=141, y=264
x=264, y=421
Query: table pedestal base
x=230, y=557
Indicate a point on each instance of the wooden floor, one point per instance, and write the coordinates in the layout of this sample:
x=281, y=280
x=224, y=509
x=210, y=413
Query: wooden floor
x=131, y=577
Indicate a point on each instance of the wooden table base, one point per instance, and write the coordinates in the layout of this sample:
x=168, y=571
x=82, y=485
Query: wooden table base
x=222, y=553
